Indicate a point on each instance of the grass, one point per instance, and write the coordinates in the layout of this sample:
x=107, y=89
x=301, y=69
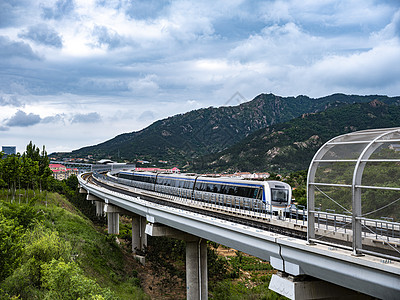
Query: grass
x=96, y=253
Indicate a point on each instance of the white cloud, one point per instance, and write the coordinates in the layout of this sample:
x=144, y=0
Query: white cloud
x=130, y=63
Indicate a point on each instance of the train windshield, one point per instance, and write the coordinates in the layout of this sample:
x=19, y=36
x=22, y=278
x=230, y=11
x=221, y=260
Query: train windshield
x=279, y=195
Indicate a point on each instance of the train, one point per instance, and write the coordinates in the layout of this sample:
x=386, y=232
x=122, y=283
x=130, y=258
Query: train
x=271, y=196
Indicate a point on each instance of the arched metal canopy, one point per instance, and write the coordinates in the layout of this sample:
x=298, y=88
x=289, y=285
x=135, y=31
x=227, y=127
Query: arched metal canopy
x=347, y=166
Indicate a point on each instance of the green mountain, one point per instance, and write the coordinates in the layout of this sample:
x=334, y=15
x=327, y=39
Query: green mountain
x=290, y=146
x=181, y=138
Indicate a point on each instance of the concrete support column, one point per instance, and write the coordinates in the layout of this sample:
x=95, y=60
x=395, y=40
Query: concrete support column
x=139, y=237
x=99, y=208
x=113, y=223
x=196, y=270
x=112, y=218
x=143, y=235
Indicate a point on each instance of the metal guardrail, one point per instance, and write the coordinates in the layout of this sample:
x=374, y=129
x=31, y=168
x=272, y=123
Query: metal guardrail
x=384, y=230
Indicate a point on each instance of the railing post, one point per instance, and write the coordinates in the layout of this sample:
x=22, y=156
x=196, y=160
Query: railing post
x=356, y=221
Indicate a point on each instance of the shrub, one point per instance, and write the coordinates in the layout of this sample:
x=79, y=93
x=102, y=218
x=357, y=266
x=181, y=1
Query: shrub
x=66, y=281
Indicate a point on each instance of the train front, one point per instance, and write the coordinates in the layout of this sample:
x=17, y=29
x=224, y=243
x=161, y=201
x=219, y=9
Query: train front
x=278, y=196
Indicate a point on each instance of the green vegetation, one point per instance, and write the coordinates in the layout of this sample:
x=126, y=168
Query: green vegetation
x=183, y=138
x=49, y=249
x=247, y=277
x=31, y=170
x=53, y=252
x=231, y=274
x=291, y=146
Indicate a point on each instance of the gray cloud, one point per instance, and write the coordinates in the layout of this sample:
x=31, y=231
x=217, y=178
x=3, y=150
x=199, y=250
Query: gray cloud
x=10, y=11
x=9, y=48
x=42, y=34
x=60, y=9
x=22, y=119
x=92, y=117
x=4, y=128
x=11, y=100
x=149, y=9
x=107, y=37
x=54, y=119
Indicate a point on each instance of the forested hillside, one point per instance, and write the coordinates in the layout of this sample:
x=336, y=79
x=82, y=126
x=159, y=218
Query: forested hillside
x=290, y=146
x=181, y=138
x=48, y=248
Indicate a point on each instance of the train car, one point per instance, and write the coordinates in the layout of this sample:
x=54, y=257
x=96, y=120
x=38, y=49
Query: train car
x=270, y=195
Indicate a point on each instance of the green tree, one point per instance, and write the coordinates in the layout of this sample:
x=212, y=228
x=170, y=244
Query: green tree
x=11, y=170
x=2, y=182
x=11, y=236
x=29, y=170
x=32, y=152
x=72, y=182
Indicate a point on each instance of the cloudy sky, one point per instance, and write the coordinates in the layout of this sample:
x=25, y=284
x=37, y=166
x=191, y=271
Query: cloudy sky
x=78, y=72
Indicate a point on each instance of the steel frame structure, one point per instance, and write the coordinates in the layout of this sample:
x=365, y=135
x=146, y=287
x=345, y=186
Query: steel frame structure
x=368, y=141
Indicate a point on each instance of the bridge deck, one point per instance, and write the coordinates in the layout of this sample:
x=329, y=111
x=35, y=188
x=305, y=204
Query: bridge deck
x=368, y=274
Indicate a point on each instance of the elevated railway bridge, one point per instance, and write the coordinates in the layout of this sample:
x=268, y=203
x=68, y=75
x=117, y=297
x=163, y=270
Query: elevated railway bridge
x=319, y=253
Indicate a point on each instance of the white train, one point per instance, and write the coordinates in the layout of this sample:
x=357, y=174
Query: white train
x=272, y=196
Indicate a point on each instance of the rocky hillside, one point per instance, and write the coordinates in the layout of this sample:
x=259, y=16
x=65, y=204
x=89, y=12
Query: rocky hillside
x=181, y=138
x=290, y=146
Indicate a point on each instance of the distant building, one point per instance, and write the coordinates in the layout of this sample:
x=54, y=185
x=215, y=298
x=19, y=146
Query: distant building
x=61, y=172
x=9, y=150
x=105, y=161
x=143, y=162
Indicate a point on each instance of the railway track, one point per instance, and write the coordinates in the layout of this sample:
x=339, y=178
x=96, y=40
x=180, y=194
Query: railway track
x=267, y=223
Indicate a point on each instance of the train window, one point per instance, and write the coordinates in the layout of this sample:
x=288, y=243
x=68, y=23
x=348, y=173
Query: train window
x=259, y=193
x=188, y=184
x=216, y=188
x=245, y=192
x=232, y=190
x=223, y=189
x=199, y=186
x=125, y=176
x=279, y=195
x=177, y=183
x=255, y=193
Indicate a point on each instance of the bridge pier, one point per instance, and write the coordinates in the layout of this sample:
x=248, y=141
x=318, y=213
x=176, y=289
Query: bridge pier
x=99, y=208
x=97, y=201
x=196, y=269
x=139, y=237
x=112, y=218
x=196, y=259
